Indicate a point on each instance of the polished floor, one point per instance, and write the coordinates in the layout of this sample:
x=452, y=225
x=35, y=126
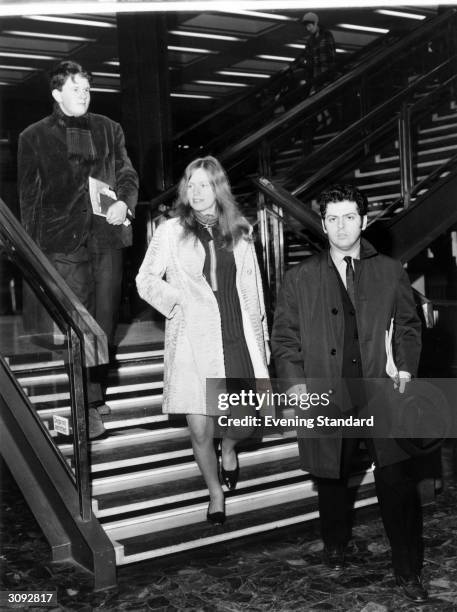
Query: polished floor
x=277, y=572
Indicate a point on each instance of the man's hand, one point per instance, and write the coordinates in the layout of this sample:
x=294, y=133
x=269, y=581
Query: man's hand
x=117, y=213
x=401, y=381
x=298, y=390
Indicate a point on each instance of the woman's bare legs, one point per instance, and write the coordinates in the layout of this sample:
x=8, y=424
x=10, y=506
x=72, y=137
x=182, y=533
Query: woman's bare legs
x=228, y=454
x=201, y=429
x=228, y=444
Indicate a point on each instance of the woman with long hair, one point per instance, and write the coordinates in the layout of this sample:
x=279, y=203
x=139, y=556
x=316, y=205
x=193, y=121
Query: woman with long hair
x=213, y=302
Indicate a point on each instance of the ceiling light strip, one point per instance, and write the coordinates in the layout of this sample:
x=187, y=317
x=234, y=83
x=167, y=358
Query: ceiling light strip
x=189, y=49
x=222, y=83
x=244, y=13
x=26, y=55
x=353, y=26
x=47, y=36
x=203, y=35
x=70, y=20
x=194, y=96
x=276, y=58
x=11, y=67
x=104, y=89
x=114, y=75
x=400, y=14
x=108, y=7
x=253, y=75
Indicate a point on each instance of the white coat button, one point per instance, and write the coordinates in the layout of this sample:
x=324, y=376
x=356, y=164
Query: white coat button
x=249, y=271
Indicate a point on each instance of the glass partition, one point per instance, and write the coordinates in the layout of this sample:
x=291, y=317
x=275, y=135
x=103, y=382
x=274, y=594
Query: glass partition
x=43, y=352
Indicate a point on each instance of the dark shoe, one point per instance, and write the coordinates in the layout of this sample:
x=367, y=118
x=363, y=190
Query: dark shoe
x=96, y=427
x=104, y=409
x=216, y=518
x=334, y=557
x=412, y=588
x=230, y=477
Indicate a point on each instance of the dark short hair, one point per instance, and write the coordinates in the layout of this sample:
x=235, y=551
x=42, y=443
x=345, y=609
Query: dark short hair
x=59, y=75
x=340, y=193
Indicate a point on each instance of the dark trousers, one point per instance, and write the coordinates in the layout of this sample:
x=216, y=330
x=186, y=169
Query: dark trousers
x=96, y=279
x=399, y=503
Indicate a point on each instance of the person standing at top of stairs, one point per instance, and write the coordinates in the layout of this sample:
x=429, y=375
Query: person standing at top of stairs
x=216, y=326
x=60, y=160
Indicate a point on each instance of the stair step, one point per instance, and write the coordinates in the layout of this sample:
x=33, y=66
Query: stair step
x=382, y=171
x=162, y=473
x=448, y=127
x=150, y=451
x=187, y=490
x=239, y=524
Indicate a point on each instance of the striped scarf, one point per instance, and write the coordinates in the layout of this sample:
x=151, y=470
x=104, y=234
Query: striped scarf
x=80, y=144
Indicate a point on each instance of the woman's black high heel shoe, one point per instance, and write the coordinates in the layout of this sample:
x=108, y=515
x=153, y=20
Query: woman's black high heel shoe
x=216, y=518
x=230, y=477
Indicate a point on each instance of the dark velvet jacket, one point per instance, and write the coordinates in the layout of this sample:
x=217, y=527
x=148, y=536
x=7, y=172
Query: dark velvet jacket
x=54, y=191
x=308, y=336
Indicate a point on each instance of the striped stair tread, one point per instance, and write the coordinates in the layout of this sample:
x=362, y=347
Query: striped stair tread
x=178, y=491
x=166, y=471
x=298, y=508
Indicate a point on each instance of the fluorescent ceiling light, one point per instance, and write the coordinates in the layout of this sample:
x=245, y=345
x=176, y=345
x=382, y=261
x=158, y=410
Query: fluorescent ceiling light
x=339, y=50
x=189, y=49
x=296, y=46
x=28, y=68
x=254, y=75
x=115, y=75
x=51, y=36
x=222, y=83
x=27, y=56
x=350, y=26
x=104, y=89
x=73, y=21
x=4, y=83
x=203, y=35
x=400, y=14
x=113, y=63
x=195, y=96
x=108, y=7
x=276, y=58
x=259, y=14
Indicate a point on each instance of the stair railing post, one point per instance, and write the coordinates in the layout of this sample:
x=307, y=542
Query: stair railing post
x=264, y=236
x=405, y=153
x=278, y=246
x=77, y=396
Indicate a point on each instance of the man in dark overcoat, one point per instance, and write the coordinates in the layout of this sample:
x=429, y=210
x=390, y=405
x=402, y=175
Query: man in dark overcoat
x=330, y=323
x=60, y=159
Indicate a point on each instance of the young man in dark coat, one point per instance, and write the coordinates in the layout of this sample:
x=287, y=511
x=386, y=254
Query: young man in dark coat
x=330, y=323
x=57, y=157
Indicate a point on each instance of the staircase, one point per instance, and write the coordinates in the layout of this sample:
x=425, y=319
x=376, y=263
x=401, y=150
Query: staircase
x=378, y=177
x=147, y=491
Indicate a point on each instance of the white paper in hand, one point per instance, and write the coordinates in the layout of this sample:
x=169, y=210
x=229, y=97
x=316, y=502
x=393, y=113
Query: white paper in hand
x=391, y=368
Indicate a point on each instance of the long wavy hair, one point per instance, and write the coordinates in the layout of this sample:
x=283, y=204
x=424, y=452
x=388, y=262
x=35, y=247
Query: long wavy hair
x=231, y=223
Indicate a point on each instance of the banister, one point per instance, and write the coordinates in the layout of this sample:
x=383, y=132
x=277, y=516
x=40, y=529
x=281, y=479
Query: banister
x=313, y=103
x=277, y=79
x=324, y=151
x=40, y=273
x=316, y=101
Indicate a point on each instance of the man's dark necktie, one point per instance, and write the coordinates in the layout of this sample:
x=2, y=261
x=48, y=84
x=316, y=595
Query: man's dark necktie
x=350, y=278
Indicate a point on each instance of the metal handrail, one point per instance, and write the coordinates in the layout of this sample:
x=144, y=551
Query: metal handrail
x=52, y=288
x=378, y=112
x=85, y=340
x=317, y=101
x=280, y=196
